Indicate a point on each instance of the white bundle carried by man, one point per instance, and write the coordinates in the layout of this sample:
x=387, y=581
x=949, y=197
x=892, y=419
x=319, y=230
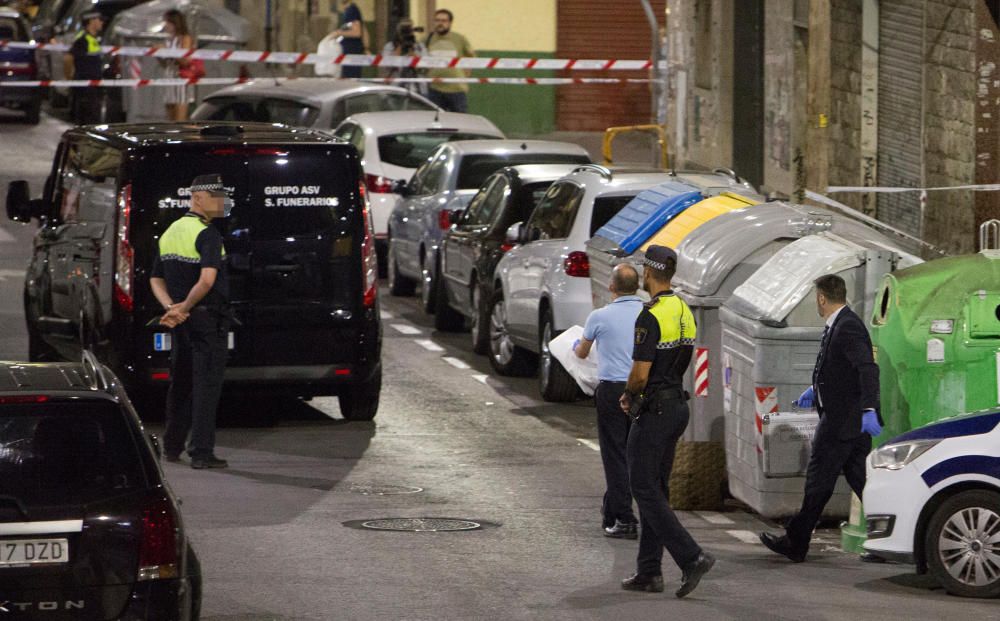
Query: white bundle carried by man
x=329, y=46
x=583, y=370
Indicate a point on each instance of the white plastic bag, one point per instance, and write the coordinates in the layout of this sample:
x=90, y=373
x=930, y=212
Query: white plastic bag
x=329, y=46
x=583, y=370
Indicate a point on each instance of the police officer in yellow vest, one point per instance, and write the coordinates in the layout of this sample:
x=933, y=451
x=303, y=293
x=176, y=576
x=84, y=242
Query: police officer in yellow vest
x=664, y=341
x=84, y=61
x=189, y=279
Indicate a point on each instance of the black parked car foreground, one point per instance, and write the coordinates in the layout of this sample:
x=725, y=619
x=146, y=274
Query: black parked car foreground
x=300, y=255
x=89, y=530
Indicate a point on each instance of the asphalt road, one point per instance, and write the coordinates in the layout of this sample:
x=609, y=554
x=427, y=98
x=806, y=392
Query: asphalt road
x=277, y=531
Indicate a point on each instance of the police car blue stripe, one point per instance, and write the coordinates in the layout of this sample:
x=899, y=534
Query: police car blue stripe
x=966, y=464
x=971, y=425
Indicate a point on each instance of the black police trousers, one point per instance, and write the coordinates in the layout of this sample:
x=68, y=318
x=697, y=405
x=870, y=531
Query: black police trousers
x=612, y=435
x=652, y=442
x=197, y=366
x=829, y=457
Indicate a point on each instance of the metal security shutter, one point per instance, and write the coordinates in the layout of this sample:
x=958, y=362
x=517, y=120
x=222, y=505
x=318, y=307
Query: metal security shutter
x=603, y=29
x=900, y=110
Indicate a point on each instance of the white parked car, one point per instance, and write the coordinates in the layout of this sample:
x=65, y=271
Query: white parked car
x=933, y=499
x=542, y=286
x=393, y=144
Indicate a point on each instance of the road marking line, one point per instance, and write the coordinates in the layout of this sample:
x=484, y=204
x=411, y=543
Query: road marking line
x=744, y=535
x=405, y=329
x=455, y=362
x=429, y=345
x=481, y=378
x=386, y=315
x=589, y=444
x=714, y=518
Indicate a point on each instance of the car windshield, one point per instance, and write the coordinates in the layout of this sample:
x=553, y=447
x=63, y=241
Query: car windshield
x=476, y=168
x=263, y=110
x=65, y=453
x=409, y=150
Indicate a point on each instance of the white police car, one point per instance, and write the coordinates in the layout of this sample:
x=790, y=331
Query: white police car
x=933, y=499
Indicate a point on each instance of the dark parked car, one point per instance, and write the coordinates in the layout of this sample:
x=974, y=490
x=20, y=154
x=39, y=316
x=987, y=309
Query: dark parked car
x=89, y=529
x=18, y=65
x=472, y=248
x=299, y=245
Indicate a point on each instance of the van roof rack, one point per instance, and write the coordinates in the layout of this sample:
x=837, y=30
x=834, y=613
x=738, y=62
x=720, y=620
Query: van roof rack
x=94, y=371
x=604, y=171
x=222, y=130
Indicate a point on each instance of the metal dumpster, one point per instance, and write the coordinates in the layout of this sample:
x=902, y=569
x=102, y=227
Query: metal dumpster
x=685, y=223
x=770, y=339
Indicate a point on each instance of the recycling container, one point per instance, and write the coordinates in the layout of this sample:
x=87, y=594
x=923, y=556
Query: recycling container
x=770, y=334
x=674, y=232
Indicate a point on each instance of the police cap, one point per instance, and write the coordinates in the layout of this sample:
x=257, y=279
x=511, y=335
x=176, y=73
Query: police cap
x=657, y=257
x=209, y=183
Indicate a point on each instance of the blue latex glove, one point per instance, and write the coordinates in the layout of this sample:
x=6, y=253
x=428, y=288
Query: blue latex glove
x=806, y=399
x=576, y=344
x=869, y=423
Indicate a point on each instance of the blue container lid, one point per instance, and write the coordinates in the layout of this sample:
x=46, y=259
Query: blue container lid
x=646, y=214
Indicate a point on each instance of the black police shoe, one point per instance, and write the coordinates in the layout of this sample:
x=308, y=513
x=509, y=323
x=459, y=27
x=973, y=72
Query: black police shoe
x=694, y=573
x=641, y=582
x=781, y=545
x=622, y=530
x=211, y=461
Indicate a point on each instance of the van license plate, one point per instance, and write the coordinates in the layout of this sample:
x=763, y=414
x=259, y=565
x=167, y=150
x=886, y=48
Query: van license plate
x=161, y=341
x=33, y=551
x=232, y=341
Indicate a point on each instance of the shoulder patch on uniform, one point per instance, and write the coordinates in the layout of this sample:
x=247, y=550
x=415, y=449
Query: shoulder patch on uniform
x=640, y=335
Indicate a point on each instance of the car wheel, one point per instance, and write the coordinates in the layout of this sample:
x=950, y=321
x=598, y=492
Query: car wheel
x=428, y=296
x=480, y=322
x=506, y=357
x=360, y=402
x=963, y=544
x=399, y=285
x=446, y=318
x=554, y=382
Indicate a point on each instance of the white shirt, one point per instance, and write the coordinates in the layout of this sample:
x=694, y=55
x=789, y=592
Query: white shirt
x=833, y=317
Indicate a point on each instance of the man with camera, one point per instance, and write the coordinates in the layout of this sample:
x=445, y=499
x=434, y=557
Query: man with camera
x=405, y=43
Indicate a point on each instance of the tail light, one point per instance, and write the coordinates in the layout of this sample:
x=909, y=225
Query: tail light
x=21, y=69
x=125, y=256
x=23, y=399
x=369, y=262
x=159, y=557
x=378, y=183
x=577, y=264
x=444, y=219
x=507, y=246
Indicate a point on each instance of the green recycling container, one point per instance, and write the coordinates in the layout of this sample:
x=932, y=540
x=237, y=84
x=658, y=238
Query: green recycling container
x=936, y=332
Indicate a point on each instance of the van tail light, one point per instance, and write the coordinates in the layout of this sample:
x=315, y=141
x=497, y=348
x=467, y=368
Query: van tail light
x=125, y=255
x=21, y=399
x=577, y=264
x=444, y=219
x=159, y=556
x=378, y=183
x=507, y=246
x=369, y=261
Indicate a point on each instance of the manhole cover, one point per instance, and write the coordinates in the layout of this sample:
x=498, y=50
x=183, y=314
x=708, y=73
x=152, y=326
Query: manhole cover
x=384, y=490
x=419, y=525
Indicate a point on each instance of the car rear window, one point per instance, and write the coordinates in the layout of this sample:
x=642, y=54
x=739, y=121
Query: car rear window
x=474, y=169
x=61, y=453
x=266, y=110
x=409, y=150
x=605, y=208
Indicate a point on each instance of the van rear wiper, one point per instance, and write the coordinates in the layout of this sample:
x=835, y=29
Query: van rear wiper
x=11, y=500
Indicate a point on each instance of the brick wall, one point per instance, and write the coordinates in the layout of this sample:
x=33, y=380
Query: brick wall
x=845, y=97
x=949, y=121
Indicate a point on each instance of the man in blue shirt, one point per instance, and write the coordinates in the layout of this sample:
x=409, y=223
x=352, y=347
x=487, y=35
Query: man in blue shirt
x=613, y=329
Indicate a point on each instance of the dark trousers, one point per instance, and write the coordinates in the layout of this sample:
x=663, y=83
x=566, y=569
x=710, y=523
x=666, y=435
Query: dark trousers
x=452, y=102
x=828, y=459
x=651, y=445
x=197, y=366
x=612, y=434
x=86, y=105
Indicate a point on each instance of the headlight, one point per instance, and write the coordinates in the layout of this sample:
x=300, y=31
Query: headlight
x=895, y=456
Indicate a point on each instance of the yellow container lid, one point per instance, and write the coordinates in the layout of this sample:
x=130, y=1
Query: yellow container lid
x=674, y=232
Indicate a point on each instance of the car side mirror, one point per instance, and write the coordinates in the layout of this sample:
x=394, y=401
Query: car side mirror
x=513, y=235
x=399, y=187
x=157, y=448
x=20, y=207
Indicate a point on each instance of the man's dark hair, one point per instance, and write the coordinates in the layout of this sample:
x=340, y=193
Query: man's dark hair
x=664, y=275
x=833, y=288
x=625, y=279
x=451, y=16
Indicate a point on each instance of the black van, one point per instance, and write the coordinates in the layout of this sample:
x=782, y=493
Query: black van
x=299, y=245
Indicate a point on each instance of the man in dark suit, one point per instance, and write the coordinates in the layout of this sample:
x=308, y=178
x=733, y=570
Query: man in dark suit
x=845, y=390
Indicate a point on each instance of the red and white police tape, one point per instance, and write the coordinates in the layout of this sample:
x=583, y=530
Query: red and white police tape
x=139, y=83
x=356, y=60
x=701, y=372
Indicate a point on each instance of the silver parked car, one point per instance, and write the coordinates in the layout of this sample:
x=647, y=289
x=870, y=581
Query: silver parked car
x=320, y=104
x=444, y=184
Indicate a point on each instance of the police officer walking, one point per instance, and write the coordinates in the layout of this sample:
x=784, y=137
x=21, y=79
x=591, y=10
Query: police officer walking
x=664, y=343
x=612, y=328
x=84, y=61
x=189, y=280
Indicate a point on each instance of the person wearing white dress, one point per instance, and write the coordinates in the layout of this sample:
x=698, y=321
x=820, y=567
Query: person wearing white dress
x=177, y=99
